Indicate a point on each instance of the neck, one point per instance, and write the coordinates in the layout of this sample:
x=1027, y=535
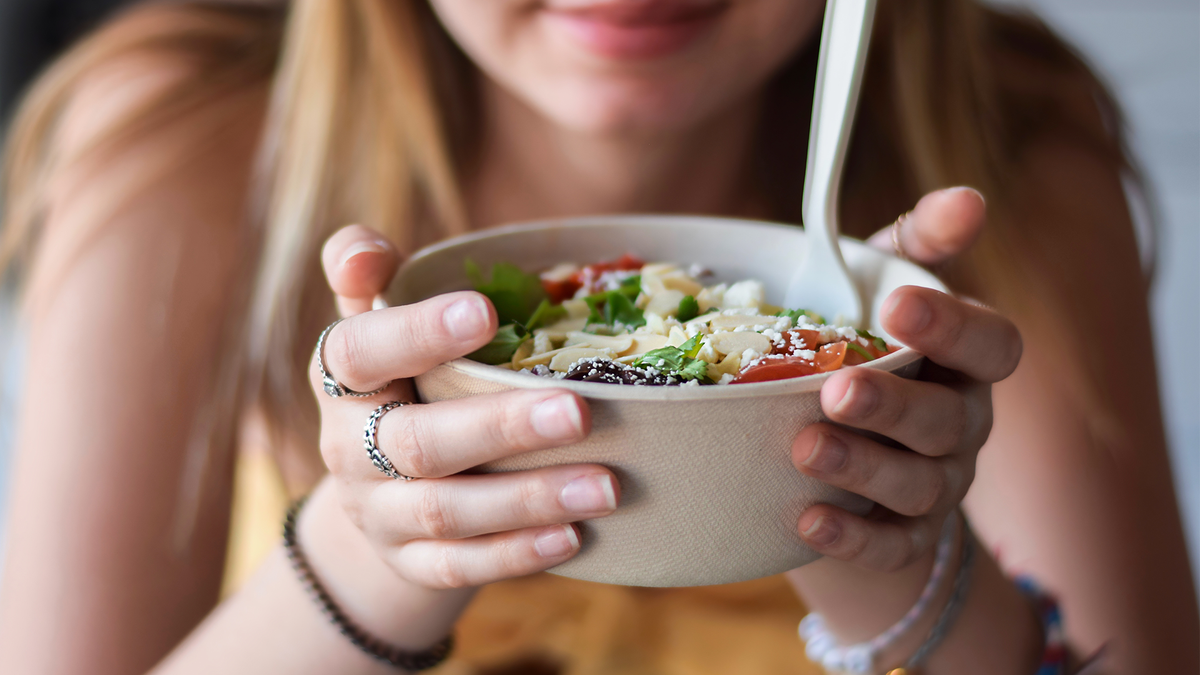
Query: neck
x=529, y=168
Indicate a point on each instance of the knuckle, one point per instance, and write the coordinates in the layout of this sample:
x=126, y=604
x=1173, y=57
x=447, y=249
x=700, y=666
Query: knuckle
x=855, y=549
x=336, y=457
x=413, y=450
x=536, y=500
x=345, y=351
x=510, y=424
x=512, y=556
x=1014, y=349
x=432, y=514
x=354, y=510
x=955, y=422
x=929, y=499
x=893, y=413
x=422, y=329
x=447, y=571
x=949, y=337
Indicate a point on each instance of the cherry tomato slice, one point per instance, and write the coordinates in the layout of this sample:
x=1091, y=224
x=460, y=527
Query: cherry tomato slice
x=830, y=357
x=800, y=339
x=560, y=289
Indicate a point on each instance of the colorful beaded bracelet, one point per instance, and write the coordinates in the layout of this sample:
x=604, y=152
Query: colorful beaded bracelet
x=1054, y=655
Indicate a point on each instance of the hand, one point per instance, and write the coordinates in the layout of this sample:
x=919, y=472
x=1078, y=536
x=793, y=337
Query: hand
x=942, y=419
x=445, y=530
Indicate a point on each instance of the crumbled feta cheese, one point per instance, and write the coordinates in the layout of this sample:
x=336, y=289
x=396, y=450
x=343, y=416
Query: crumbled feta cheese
x=745, y=294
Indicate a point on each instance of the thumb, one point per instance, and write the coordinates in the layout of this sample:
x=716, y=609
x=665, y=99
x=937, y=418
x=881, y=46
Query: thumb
x=359, y=264
x=944, y=224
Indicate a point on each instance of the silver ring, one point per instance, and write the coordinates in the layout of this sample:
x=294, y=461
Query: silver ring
x=334, y=388
x=899, y=223
x=371, y=444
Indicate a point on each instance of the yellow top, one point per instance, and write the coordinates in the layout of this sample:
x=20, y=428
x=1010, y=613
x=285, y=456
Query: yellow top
x=549, y=625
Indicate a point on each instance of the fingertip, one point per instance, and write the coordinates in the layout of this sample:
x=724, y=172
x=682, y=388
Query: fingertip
x=359, y=262
x=906, y=312
x=835, y=388
x=819, y=527
x=559, y=541
x=946, y=223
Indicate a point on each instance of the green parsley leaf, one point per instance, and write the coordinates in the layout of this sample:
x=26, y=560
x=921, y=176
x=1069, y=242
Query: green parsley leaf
x=878, y=341
x=666, y=359
x=688, y=309
x=502, y=347
x=515, y=294
x=695, y=369
x=620, y=309
x=612, y=307
x=546, y=314
x=860, y=351
x=796, y=314
x=692, y=347
x=679, y=361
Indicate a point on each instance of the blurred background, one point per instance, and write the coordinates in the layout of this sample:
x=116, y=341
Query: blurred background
x=1149, y=50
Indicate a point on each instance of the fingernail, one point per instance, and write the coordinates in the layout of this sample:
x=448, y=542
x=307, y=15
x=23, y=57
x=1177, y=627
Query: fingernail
x=556, y=542
x=466, y=318
x=360, y=248
x=822, y=532
x=860, y=400
x=828, y=454
x=910, y=315
x=589, y=494
x=557, y=418
x=965, y=188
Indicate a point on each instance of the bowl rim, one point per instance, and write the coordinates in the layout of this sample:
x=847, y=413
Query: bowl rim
x=612, y=392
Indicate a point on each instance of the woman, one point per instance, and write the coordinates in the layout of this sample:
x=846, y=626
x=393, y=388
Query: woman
x=134, y=163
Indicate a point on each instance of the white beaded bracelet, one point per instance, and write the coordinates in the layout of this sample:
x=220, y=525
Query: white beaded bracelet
x=821, y=646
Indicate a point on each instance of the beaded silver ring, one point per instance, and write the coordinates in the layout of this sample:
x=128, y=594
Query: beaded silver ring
x=332, y=387
x=371, y=444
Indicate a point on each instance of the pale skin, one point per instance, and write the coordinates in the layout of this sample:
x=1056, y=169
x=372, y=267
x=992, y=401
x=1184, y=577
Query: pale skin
x=86, y=553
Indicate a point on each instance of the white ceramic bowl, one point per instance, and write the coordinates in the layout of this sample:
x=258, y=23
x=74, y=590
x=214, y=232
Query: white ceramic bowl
x=709, y=494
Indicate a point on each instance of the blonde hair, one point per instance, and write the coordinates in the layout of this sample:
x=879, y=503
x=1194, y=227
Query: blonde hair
x=372, y=120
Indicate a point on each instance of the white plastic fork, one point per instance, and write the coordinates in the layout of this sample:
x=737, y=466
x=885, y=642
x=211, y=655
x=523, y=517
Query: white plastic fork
x=822, y=283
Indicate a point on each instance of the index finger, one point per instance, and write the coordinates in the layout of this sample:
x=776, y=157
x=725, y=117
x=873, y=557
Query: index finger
x=973, y=340
x=366, y=351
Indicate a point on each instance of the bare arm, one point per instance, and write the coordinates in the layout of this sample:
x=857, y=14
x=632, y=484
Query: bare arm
x=107, y=570
x=1077, y=495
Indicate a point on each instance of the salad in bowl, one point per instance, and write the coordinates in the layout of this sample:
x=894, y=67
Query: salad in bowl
x=629, y=322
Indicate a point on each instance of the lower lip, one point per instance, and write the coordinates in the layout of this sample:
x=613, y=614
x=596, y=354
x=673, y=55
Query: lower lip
x=631, y=42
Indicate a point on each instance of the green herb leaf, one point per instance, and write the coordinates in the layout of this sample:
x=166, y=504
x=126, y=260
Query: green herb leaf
x=692, y=347
x=679, y=361
x=620, y=309
x=515, y=294
x=546, y=314
x=695, y=369
x=502, y=347
x=688, y=309
x=666, y=359
x=796, y=314
x=875, y=339
x=612, y=307
x=858, y=349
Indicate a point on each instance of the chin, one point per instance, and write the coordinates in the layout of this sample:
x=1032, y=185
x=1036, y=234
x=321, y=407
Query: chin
x=630, y=108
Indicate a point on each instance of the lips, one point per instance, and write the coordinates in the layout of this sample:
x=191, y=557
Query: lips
x=634, y=29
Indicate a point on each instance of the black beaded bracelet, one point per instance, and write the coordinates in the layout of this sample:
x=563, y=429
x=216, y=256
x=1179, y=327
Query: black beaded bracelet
x=370, y=645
